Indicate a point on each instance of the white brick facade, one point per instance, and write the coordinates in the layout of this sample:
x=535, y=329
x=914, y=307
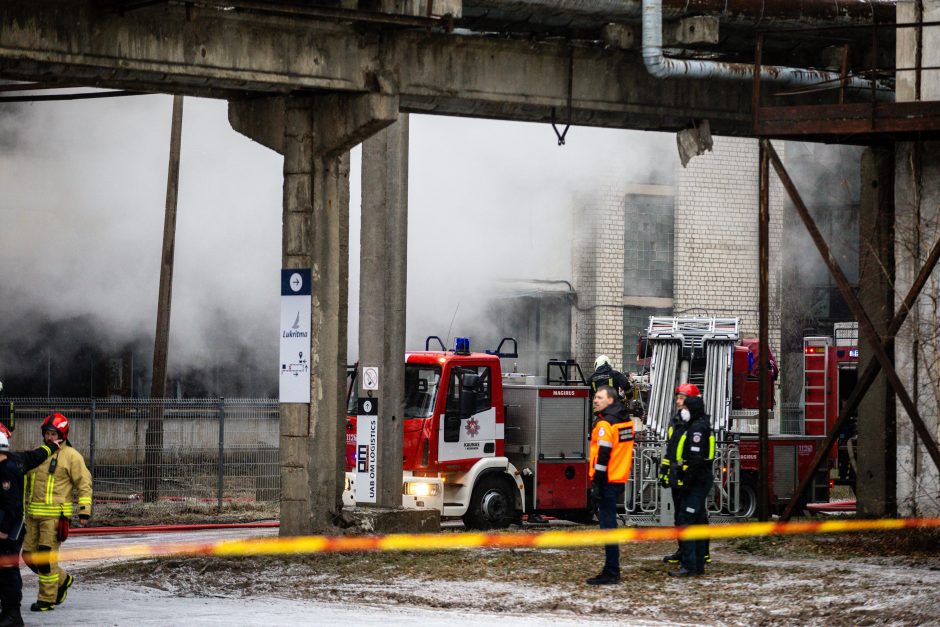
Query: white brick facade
x=598, y=275
x=715, y=253
x=716, y=236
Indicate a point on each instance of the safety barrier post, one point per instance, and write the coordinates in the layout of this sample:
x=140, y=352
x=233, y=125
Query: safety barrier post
x=220, y=483
x=91, y=437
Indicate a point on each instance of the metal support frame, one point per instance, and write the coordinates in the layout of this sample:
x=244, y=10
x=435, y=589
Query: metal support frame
x=865, y=326
x=763, y=511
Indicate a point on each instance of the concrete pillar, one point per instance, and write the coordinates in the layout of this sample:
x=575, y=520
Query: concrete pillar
x=315, y=235
x=382, y=294
x=917, y=186
x=917, y=348
x=877, y=436
x=316, y=133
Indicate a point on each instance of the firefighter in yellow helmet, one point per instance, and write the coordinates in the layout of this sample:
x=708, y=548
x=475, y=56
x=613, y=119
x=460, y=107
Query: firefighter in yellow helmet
x=49, y=509
x=609, y=468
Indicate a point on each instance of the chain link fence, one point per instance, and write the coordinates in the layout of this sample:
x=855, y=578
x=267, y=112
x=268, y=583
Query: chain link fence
x=217, y=454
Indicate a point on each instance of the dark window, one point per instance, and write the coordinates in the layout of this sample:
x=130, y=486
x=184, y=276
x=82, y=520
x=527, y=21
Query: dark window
x=460, y=385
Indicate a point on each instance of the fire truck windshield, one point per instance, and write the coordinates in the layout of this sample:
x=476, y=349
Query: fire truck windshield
x=421, y=383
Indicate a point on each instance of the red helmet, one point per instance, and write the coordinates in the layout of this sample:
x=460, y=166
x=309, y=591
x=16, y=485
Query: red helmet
x=57, y=422
x=5, y=430
x=689, y=389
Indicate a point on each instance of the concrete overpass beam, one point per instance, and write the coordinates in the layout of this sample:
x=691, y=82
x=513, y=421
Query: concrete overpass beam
x=316, y=133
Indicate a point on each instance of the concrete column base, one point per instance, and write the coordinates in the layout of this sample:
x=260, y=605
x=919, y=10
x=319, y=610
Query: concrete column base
x=381, y=520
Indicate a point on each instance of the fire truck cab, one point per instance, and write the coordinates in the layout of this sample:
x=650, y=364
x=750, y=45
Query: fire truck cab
x=484, y=446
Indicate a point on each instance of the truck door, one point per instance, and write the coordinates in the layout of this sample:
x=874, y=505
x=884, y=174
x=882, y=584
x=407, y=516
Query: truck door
x=468, y=428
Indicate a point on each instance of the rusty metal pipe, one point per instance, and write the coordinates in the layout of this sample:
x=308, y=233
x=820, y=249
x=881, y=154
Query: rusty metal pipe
x=741, y=12
x=661, y=66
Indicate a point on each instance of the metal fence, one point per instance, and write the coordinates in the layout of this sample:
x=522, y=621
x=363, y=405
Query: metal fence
x=215, y=451
x=791, y=418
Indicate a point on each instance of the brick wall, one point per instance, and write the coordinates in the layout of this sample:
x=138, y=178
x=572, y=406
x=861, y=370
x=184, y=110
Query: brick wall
x=711, y=254
x=597, y=269
x=716, y=236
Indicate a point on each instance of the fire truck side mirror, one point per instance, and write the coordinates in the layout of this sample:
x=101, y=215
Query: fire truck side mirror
x=469, y=384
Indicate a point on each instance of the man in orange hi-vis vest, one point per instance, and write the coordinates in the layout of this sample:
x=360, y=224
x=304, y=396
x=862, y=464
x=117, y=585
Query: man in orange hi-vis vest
x=609, y=468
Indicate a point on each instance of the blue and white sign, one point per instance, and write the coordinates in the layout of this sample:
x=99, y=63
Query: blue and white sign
x=294, y=386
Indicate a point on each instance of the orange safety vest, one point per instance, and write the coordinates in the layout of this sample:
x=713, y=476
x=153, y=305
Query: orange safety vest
x=618, y=438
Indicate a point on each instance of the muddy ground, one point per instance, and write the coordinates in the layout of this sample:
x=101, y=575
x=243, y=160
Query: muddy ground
x=861, y=579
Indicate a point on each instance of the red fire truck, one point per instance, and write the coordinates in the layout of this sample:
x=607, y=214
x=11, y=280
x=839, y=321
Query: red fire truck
x=710, y=353
x=486, y=446
x=830, y=373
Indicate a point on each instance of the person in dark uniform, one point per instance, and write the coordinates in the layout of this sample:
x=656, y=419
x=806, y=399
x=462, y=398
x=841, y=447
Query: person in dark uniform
x=11, y=529
x=695, y=452
x=677, y=426
x=11, y=522
x=604, y=374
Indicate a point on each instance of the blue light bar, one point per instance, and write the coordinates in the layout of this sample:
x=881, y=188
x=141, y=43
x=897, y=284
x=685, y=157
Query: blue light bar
x=462, y=346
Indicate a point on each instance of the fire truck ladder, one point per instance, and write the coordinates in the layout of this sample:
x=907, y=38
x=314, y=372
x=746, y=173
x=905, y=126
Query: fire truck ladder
x=668, y=335
x=663, y=367
x=717, y=392
x=815, y=398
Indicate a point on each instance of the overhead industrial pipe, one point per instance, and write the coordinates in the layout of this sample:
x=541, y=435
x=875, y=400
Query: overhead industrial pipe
x=743, y=12
x=661, y=66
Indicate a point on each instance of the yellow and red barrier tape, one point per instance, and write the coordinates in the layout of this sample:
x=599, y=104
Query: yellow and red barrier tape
x=470, y=540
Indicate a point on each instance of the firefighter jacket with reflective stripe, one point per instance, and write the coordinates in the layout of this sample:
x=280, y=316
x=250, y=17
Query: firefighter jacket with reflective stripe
x=612, y=444
x=27, y=460
x=605, y=375
x=668, y=470
x=50, y=486
x=695, y=450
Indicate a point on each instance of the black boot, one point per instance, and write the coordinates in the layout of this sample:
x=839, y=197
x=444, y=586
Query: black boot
x=604, y=579
x=684, y=572
x=11, y=618
x=64, y=590
x=42, y=606
x=673, y=559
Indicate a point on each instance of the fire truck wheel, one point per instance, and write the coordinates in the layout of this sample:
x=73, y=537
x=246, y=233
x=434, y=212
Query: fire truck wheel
x=492, y=504
x=747, y=507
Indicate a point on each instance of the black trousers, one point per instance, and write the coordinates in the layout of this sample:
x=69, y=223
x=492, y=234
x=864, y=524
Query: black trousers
x=676, y=500
x=11, y=584
x=692, y=512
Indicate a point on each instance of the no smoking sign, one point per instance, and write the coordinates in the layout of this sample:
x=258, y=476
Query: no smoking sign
x=370, y=378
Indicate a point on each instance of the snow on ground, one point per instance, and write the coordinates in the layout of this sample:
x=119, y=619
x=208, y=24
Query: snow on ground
x=872, y=580
x=97, y=604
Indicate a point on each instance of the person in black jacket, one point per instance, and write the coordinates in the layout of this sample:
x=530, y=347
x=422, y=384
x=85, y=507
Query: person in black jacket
x=604, y=374
x=695, y=452
x=13, y=467
x=11, y=525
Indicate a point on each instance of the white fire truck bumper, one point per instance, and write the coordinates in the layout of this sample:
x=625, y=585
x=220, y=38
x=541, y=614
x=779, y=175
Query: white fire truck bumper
x=417, y=492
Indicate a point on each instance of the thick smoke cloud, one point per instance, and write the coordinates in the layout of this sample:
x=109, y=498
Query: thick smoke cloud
x=491, y=201
x=82, y=206
x=82, y=211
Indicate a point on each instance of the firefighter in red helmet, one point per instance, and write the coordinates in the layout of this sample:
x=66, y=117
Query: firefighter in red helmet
x=49, y=509
x=668, y=470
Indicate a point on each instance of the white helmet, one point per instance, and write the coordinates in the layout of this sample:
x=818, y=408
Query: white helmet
x=4, y=443
x=600, y=361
